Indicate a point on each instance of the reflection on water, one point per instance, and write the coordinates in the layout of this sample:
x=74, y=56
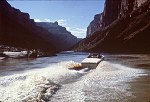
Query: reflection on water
x=119, y=78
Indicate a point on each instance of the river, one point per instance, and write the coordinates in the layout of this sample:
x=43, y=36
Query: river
x=119, y=78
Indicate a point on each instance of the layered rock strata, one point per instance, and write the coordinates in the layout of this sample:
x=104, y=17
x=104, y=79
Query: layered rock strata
x=125, y=27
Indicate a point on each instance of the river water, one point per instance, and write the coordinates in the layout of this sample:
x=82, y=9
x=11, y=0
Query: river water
x=119, y=78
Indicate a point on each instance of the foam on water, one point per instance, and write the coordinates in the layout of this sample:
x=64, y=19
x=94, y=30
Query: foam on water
x=107, y=83
x=37, y=84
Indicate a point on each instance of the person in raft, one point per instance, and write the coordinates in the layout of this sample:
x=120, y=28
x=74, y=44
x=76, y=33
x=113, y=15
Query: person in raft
x=95, y=55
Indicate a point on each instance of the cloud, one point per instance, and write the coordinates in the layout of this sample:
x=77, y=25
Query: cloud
x=37, y=20
x=79, y=32
x=42, y=20
x=47, y=20
x=62, y=22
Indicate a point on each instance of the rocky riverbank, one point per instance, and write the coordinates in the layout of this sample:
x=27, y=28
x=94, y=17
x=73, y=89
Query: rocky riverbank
x=24, y=53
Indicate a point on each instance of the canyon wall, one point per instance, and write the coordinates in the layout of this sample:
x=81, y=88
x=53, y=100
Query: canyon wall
x=18, y=30
x=61, y=38
x=123, y=26
x=113, y=9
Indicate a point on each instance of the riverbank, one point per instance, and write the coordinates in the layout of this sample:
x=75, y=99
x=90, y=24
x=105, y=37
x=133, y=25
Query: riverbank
x=17, y=52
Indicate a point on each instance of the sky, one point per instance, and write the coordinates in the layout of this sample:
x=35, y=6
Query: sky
x=75, y=15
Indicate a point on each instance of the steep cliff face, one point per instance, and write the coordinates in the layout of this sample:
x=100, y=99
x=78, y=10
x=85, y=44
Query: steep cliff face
x=18, y=30
x=110, y=13
x=113, y=9
x=127, y=30
x=95, y=24
x=60, y=36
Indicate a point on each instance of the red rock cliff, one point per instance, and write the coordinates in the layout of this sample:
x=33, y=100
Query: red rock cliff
x=18, y=30
x=124, y=26
x=113, y=9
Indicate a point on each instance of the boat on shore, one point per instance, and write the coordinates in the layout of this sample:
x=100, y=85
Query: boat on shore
x=3, y=56
x=92, y=61
x=19, y=54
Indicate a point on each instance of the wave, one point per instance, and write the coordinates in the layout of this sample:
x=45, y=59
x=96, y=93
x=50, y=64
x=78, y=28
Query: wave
x=107, y=83
x=37, y=84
